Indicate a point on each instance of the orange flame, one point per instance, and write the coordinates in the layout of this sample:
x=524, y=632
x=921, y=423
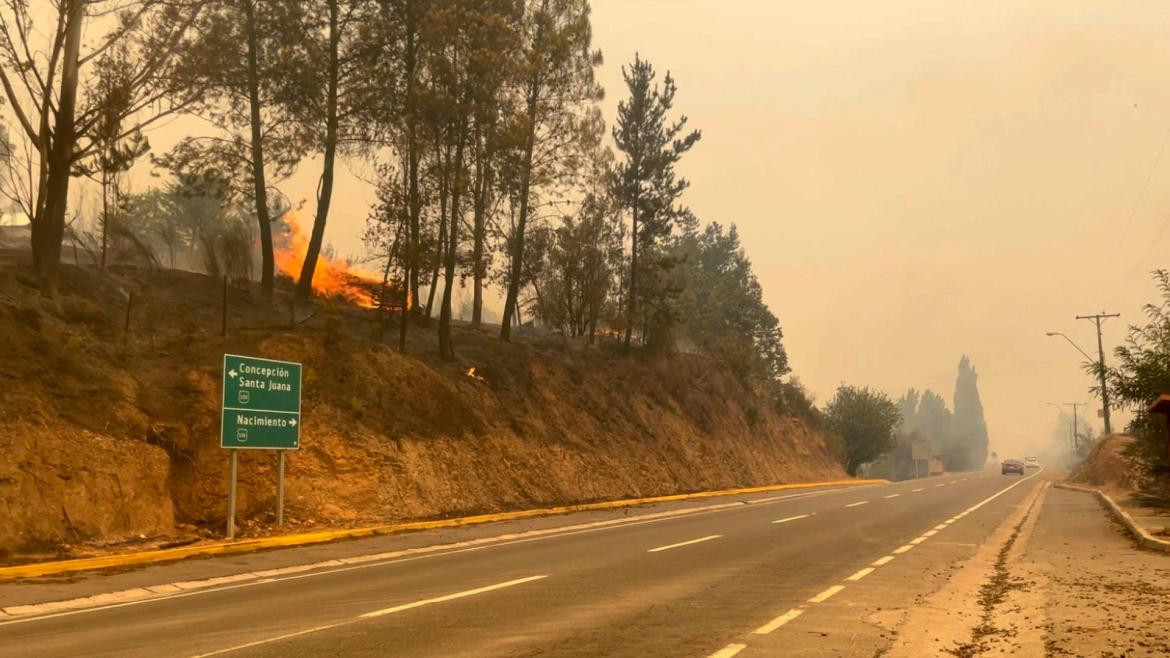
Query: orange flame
x=332, y=278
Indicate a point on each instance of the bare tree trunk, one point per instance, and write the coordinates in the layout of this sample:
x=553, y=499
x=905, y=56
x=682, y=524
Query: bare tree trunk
x=479, y=269
x=446, y=348
x=49, y=231
x=517, y=265
x=105, y=218
x=325, y=189
x=410, y=270
x=260, y=186
x=632, y=308
x=441, y=249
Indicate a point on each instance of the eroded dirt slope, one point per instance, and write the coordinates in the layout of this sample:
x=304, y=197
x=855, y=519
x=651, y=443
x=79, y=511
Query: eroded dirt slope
x=107, y=434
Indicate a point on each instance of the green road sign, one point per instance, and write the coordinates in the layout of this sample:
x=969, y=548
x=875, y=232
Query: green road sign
x=261, y=403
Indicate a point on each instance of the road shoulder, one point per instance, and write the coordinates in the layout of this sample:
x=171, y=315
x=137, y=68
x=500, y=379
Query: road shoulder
x=1103, y=595
x=967, y=616
x=1059, y=577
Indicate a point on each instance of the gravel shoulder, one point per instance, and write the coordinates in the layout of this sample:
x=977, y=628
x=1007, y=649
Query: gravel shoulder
x=1103, y=595
x=1058, y=578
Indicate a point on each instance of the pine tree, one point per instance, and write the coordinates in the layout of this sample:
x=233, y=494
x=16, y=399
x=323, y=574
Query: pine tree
x=646, y=183
x=968, y=429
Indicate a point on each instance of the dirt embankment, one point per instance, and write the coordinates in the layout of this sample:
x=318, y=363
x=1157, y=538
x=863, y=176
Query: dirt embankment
x=1106, y=465
x=107, y=435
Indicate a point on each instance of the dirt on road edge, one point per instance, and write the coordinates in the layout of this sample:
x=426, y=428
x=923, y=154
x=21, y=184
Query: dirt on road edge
x=976, y=612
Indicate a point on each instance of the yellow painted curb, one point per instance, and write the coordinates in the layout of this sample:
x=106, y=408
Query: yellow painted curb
x=281, y=541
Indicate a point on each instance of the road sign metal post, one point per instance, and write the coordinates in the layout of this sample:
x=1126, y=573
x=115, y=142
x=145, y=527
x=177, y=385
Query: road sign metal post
x=280, y=488
x=231, y=522
x=261, y=410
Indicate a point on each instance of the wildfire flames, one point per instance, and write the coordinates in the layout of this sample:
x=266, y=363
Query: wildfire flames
x=332, y=278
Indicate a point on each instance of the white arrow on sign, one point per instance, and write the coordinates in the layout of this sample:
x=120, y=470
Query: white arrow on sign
x=293, y=422
x=232, y=374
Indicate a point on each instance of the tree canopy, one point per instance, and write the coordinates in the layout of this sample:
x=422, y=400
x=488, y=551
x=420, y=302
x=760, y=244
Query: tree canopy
x=864, y=421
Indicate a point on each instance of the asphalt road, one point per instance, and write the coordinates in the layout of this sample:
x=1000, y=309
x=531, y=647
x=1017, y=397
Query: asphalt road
x=806, y=573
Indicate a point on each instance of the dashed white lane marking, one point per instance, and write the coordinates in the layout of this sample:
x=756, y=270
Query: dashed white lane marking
x=918, y=489
x=793, y=518
x=827, y=594
x=683, y=543
x=860, y=573
x=857, y=503
x=940, y=485
x=376, y=613
x=728, y=651
x=450, y=597
x=892, y=496
x=140, y=596
x=779, y=621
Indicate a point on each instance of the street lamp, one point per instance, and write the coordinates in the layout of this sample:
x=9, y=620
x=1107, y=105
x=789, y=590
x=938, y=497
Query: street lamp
x=1070, y=342
x=1100, y=364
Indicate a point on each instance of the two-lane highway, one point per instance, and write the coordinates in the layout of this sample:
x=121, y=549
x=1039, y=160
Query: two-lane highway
x=719, y=577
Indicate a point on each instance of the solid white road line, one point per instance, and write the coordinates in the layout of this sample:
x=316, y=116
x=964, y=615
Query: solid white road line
x=862, y=573
x=376, y=613
x=771, y=499
x=86, y=605
x=450, y=597
x=827, y=594
x=684, y=543
x=278, y=638
x=793, y=518
x=251, y=579
x=779, y=621
x=892, y=496
x=728, y=651
x=856, y=504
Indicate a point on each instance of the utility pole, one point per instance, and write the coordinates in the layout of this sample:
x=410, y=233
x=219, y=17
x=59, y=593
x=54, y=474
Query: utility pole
x=1074, y=439
x=1097, y=320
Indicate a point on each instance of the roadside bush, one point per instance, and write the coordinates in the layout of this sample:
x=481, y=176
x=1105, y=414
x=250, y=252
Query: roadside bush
x=1142, y=374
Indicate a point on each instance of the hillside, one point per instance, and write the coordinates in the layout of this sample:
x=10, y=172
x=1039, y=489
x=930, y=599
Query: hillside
x=108, y=435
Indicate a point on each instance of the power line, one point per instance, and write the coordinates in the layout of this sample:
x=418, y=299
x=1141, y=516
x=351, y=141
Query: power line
x=1137, y=202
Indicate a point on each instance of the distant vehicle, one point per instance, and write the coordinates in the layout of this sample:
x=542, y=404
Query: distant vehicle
x=1013, y=466
x=1031, y=462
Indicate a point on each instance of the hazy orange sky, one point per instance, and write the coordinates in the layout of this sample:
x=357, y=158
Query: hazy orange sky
x=915, y=180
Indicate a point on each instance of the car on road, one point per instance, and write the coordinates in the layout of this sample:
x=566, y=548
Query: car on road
x=1031, y=462
x=1013, y=466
